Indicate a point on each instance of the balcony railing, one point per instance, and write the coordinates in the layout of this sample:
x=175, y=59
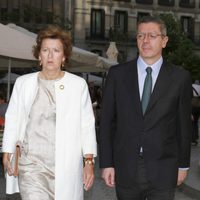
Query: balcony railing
x=144, y=1
x=111, y=35
x=123, y=0
x=166, y=2
x=187, y=4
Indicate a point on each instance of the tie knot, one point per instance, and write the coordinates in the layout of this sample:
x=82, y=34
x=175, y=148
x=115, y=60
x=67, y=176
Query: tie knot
x=148, y=70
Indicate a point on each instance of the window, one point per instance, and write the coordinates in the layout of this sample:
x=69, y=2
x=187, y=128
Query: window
x=38, y=4
x=15, y=11
x=187, y=3
x=123, y=0
x=166, y=2
x=49, y=14
x=4, y=3
x=144, y=1
x=4, y=10
x=38, y=11
x=97, y=23
x=27, y=11
x=187, y=24
x=121, y=21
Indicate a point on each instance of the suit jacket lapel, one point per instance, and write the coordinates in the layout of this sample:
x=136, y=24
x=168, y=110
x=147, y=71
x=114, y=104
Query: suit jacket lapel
x=162, y=84
x=133, y=87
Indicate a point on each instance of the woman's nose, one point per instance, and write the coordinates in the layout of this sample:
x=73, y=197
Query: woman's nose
x=50, y=55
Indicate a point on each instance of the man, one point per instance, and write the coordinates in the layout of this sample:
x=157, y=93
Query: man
x=145, y=146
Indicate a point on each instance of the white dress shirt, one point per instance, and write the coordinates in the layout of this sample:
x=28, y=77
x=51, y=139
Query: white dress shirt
x=141, y=69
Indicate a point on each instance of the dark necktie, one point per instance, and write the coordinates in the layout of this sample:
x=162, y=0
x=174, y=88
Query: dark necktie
x=147, y=89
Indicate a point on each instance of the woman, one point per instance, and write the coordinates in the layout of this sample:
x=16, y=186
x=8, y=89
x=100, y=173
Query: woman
x=50, y=115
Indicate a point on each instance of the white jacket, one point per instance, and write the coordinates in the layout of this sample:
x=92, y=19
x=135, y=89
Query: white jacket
x=75, y=130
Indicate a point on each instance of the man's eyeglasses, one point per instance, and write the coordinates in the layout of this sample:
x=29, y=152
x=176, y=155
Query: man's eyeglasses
x=150, y=36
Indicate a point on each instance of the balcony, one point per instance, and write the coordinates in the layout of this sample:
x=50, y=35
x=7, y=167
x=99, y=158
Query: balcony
x=123, y=0
x=187, y=3
x=110, y=35
x=144, y=1
x=166, y=2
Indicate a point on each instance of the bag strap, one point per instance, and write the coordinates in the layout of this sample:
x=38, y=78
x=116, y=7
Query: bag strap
x=195, y=91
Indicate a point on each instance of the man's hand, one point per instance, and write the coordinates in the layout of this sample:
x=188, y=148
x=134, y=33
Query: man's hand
x=108, y=174
x=181, y=176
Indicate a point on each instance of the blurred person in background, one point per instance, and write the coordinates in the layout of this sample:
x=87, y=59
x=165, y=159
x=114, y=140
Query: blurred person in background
x=3, y=104
x=195, y=112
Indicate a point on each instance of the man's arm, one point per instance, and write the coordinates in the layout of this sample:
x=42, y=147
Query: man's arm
x=107, y=123
x=184, y=128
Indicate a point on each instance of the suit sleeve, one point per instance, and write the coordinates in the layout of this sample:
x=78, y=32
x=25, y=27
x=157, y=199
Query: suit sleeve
x=185, y=126
x=107, y=122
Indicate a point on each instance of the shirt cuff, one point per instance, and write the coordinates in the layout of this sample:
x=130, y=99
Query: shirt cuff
x=187, y=168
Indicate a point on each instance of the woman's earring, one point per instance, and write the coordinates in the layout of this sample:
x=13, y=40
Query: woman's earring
x=40, y=63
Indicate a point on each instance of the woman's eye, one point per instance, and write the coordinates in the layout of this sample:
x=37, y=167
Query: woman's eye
x=44, y=50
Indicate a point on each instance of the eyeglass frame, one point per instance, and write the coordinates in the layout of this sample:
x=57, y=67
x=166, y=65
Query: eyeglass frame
x=150, y=35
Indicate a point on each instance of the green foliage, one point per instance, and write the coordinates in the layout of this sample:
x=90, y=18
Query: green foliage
x=118, y=36
x=180, y=49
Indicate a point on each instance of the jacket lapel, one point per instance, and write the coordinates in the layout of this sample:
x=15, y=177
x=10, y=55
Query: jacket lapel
x=161, y=86
x=133, y=87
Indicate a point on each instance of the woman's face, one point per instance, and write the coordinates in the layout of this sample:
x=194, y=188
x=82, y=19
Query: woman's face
x=51, y=54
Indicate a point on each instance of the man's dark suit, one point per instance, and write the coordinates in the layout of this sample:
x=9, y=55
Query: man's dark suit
x=164, y=132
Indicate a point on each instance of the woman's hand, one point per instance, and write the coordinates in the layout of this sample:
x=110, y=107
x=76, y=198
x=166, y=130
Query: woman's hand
x=7, y=164
x=88, y=176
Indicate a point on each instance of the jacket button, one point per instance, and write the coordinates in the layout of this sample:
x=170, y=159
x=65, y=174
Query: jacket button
x=61, y=87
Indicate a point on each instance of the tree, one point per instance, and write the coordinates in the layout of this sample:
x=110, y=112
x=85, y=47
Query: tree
x=180, y=49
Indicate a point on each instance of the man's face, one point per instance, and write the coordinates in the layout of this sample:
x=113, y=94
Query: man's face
x=150, y=42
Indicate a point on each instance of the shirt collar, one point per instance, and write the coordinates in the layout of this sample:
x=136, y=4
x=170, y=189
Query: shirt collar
x=141, y=65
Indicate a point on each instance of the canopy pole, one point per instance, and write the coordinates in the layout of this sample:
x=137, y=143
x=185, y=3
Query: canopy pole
x=8, y=84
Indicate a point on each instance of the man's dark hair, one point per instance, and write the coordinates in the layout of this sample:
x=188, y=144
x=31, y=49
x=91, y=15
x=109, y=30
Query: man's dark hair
x=154, y=19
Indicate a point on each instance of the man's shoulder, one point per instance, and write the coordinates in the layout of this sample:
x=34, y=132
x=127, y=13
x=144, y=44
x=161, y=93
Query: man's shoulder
x=123, y=67
x=177, y=69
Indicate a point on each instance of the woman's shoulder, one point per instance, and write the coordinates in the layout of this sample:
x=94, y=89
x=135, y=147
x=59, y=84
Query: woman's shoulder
x=27, y=77
x=74, y=78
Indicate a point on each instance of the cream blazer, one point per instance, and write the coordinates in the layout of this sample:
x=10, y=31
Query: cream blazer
x=75, y=130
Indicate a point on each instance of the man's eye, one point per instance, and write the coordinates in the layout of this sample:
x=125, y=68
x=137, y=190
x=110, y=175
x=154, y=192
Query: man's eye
x=140, y=36
x=153, y=36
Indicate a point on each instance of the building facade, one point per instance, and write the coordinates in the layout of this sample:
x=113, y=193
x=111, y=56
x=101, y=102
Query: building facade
x=94, y=23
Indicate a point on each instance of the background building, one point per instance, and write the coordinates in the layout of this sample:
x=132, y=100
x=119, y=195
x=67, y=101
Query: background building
x=94, y=23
